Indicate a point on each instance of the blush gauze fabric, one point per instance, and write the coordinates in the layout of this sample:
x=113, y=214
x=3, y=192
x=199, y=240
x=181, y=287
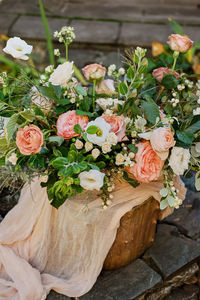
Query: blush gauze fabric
x=42, y=248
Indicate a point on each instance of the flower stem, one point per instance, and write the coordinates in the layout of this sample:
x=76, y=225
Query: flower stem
x=175, y=56
x=160, y=92
x=93, y=94
x=66, y=47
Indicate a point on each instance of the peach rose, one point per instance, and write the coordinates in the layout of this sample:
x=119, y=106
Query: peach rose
x=159, y=73
x=29, y=140
x=148, y=164
x=106, y=87
x=66, y=122
x=161, y=140
x=179, y=43
x=118, y=126
x=94, y=72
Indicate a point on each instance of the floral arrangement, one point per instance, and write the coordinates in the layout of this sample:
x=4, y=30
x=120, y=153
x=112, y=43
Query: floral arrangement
x=128, y=124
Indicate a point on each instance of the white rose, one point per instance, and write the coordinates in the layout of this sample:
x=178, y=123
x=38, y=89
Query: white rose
x=88, y=146
x=106, y=87
x=18, y=48
x=106, y=148
x=95, y=153
x=119, y=159
x=112, y=138
x=78, y=144
x=92, y=180
x=13, y=159
x=62, y=74
x=179, y=160
x=103, y=130
x=38, y=99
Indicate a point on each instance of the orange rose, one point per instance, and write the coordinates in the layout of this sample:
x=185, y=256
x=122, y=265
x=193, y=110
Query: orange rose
x=66, y=123
x=179, y=43
x=94, y=72
x=29, y=140
x=148, y=164
x=159, y=73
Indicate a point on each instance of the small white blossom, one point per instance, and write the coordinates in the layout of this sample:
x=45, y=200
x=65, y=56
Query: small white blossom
x=95, y=153
x=106, y=148
x=13, y=159
x=140, y=123
x=56, y=52
x=78, y=144
x=112, y=138
x=49, y=69
x=121, y=71
x=119, y=159
x=88, y=146
x=196, y=111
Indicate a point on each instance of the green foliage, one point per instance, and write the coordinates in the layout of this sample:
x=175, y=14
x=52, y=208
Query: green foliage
x=151, y=111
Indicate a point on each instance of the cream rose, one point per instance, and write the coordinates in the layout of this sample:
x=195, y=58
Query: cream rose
x=161, y=140
x=92, y=180
x=18, y=48
x=179, y=160
x=62, y=74
x=106, y=87
x=179, y=43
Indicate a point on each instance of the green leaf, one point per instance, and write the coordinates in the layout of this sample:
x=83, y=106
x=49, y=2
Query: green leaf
x=57, y=90
x=122, y=88
x=59, y=162
x=133, y=148
x=27, y=116
x=193, y=128
x=92, y=129
x=2, y=161
x=84, y=113
x=170, y=200
x=197, y=181
x=131, y=181
x=11, y=126
x=169, y=81
x=164, y=192
x=47, y=33
x=130, y=73
x=77, y=129
x=2, y=105
x=176, y=27
x=81, y=90
x=151, y=111
x=47, y=91
x=76, y=169
x=72, y=156
x=56, y=139
x=101, y=164
x=135, y=109
x=163, y=204
x=185, y=137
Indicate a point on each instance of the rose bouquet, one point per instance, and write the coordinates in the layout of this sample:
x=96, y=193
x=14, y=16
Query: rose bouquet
x=130, y=125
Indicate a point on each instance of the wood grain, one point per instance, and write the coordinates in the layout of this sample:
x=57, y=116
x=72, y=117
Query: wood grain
x=135, y=234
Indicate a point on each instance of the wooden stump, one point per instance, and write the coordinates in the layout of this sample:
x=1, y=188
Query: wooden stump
x=135, y=234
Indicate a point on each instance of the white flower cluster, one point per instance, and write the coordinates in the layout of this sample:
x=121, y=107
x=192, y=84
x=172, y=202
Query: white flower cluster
x=140, y=123
x=196, y=111
x=112, y=71
x=180, y=87
x=110, y=103
x=174, y=101
x=170, y=195
x=189, y=83
x=140, y=52
x=3, y=77
x=66, y=35
x=125, y=159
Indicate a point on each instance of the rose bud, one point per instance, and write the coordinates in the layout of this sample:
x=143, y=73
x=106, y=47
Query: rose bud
x=159, y=73
x=94, y=72
x=179, y=43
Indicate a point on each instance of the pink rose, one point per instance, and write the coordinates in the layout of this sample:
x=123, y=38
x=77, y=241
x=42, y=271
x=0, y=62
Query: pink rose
x=94, y=72
x=159, y=73
x=148, y=164
x=179, y=43
x=118, y=126
x=106, y=87
x=29, y=140
x=66, y=122
x=162, y=139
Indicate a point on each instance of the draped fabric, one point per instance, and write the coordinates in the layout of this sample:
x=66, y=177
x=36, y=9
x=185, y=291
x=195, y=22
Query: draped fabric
x=42, y=248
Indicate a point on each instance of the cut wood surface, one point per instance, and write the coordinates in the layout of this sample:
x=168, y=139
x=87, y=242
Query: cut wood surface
x=135, y=234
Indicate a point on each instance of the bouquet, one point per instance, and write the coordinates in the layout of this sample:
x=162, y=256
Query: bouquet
x=119, y=123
